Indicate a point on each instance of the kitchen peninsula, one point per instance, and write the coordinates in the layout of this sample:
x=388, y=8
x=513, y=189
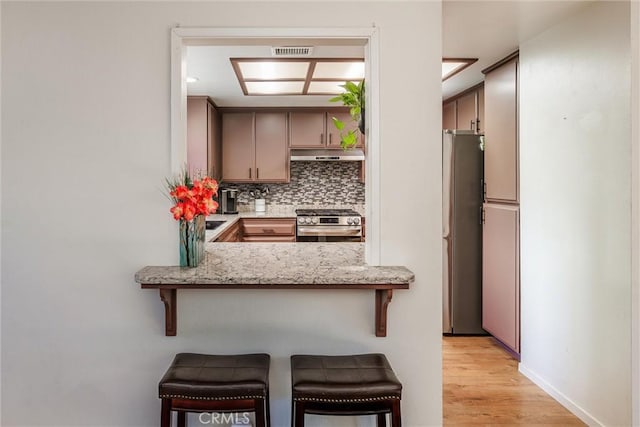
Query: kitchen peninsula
x=299, y=266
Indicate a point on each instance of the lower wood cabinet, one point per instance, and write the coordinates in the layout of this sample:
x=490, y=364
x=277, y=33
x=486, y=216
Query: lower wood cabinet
x=501, y=273
x=268, y=229
x=231, y=235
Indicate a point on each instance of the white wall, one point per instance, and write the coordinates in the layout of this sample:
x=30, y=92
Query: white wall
x=85, y=148
x=575, y=184
x=635, y=212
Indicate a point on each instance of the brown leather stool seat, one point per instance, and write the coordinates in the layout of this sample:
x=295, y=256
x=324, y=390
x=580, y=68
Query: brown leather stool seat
x=361, y=384
x=212, y=383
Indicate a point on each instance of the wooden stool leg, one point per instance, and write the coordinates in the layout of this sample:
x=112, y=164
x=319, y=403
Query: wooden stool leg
x=382, y=420
x=165, y=416
x=182, y=419
x=268, y=410
x=299, y=414
x=396, y=419
x=258, y=405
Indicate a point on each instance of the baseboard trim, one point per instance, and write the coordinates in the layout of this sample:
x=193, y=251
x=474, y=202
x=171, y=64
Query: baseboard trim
x=559, y=396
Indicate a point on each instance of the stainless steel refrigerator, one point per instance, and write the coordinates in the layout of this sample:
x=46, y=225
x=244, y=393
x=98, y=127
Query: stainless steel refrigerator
x=462, y=175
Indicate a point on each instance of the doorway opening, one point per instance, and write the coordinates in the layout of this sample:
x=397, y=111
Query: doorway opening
x=230, y=39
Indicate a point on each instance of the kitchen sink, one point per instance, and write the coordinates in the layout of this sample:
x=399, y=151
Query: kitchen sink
x=212, y=225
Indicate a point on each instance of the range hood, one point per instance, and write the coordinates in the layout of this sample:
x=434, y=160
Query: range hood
x=354, y=155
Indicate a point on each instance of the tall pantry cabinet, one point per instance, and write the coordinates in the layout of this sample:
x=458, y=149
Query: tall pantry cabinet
x=204, y=137
x=501, y=211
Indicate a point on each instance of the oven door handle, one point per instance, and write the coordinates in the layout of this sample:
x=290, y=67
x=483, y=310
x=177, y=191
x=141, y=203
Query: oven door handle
x=329, y=231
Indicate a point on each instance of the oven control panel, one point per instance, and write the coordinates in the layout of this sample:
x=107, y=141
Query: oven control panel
x=331, y=220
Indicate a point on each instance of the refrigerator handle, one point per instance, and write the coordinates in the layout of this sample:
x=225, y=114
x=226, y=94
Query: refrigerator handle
x=483, y=189
x=481, y=216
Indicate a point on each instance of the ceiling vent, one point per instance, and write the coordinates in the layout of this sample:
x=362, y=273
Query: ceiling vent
x=291, y=50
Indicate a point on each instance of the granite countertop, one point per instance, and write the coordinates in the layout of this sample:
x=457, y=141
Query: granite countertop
x=301, y=263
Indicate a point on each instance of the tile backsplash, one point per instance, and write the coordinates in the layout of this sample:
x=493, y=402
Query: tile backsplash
x=312, y=183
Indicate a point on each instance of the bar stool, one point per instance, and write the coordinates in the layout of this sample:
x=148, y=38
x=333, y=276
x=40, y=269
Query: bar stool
x=212, y=383
x=361, y=384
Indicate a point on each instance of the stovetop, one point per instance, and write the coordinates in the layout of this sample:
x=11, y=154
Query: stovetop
x=326, y=212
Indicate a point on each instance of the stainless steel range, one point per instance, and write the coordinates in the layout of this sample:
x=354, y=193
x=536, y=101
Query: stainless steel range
x=328, y=225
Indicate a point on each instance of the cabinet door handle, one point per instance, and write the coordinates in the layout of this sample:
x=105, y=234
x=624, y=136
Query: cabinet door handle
x=257, y=173
x=330, y=138
x=473, y=124
x=249, y=173
x=477, y=125
x=321, y=138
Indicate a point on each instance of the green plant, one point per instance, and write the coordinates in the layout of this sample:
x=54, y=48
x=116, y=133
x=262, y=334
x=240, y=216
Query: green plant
x=352, y=97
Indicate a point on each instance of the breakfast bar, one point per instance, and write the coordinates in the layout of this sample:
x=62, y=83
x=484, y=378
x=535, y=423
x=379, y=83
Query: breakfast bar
x=298, y=266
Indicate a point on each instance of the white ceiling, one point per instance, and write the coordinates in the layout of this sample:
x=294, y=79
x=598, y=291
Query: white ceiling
x=211, y=65
x=491, y=30
x=487, y=30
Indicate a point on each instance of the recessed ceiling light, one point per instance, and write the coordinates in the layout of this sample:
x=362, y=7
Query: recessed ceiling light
x=275, y=88
x=192, y=79
x=452, y=66
x=347, y=70
x=296, y=76
x=325, y=88
x=273, y=70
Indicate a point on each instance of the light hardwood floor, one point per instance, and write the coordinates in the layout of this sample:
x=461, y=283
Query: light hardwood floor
x=482, y=386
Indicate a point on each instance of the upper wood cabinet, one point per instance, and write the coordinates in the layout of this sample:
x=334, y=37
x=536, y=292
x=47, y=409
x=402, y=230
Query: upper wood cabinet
x=271, y=151
x=238, y=147
x=204, y=138
x=316, y=129
x=449, y=115
x=480, y=124
x=307, y=129
x=254, y=147
x=465, y=111
x=334, y=133
x=501, y=132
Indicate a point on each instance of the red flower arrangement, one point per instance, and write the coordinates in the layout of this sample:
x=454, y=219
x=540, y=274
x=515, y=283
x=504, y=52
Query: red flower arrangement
x=192, y=197
x=193, y=200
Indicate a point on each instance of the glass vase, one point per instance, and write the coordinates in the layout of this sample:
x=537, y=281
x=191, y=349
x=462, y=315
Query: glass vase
x=192, y=241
